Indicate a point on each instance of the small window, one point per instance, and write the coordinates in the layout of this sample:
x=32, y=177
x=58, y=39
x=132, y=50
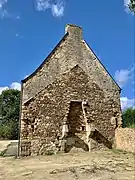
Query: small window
x=32, y=127
x=83, y=128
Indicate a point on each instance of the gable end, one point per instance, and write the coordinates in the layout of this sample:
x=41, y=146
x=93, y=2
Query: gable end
x=90, y=49
x=52, y=52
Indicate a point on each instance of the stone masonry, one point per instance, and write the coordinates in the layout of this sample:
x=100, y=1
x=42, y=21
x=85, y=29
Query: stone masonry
x=125, y=139
x=69, y=102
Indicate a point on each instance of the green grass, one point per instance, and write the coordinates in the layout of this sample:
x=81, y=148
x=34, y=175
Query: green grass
x=119, y=151
x=2, y=153
x=49, y=153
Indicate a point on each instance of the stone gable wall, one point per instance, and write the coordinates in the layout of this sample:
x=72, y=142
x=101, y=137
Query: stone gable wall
x=125, y=139
x=43, y=115
x=97, y=72
x=72, y=51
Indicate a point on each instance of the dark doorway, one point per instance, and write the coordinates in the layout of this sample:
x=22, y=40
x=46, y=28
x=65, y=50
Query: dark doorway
x=75, y=118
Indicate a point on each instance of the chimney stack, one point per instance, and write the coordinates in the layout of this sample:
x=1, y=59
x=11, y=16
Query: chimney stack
x=74, y=31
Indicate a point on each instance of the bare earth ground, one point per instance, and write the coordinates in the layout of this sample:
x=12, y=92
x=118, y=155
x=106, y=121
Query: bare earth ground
x=4, y=143
x=99, y=165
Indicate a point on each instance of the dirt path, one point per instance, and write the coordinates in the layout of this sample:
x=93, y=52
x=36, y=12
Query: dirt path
x=101, y=165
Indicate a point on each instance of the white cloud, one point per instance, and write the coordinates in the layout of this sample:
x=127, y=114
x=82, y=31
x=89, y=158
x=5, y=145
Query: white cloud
x=3, y=12
x=126, y=8
x=126, y=2
x=42, y=5
x=58, y=10
x=2, y=2
x=122, y=76
x=56, y=6
x=14, y=85
x=3, y=88
x=126, y=103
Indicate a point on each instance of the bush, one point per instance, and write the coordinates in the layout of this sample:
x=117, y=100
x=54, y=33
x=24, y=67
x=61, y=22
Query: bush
x=9, y=114
x=128, y=118
x=9, y=131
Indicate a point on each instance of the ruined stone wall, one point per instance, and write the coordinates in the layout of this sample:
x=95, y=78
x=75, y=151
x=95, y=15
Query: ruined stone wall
x=125, y=139
x=42, y=116
x=71, y=51
x=62, y=60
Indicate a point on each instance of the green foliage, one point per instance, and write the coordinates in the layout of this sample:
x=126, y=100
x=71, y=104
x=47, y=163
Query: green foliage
x=132, y=6
x=118, y=151
x=49, y=152
x=128, y=118
x=132, y=126
x=9, y=113
x=3, y=152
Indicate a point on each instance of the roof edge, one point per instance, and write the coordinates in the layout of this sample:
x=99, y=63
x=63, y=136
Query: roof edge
x=45, y=60
x=102, y=65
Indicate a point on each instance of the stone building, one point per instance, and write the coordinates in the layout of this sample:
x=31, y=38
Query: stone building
x=70, y=102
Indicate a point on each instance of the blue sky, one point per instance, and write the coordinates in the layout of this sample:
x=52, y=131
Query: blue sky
x=30, y=29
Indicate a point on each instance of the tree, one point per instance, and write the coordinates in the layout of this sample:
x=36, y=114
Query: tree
x=132, y=6
x=128, y=117
x=9, y=113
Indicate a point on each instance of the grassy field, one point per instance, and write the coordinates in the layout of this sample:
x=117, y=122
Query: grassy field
x=99, y=165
